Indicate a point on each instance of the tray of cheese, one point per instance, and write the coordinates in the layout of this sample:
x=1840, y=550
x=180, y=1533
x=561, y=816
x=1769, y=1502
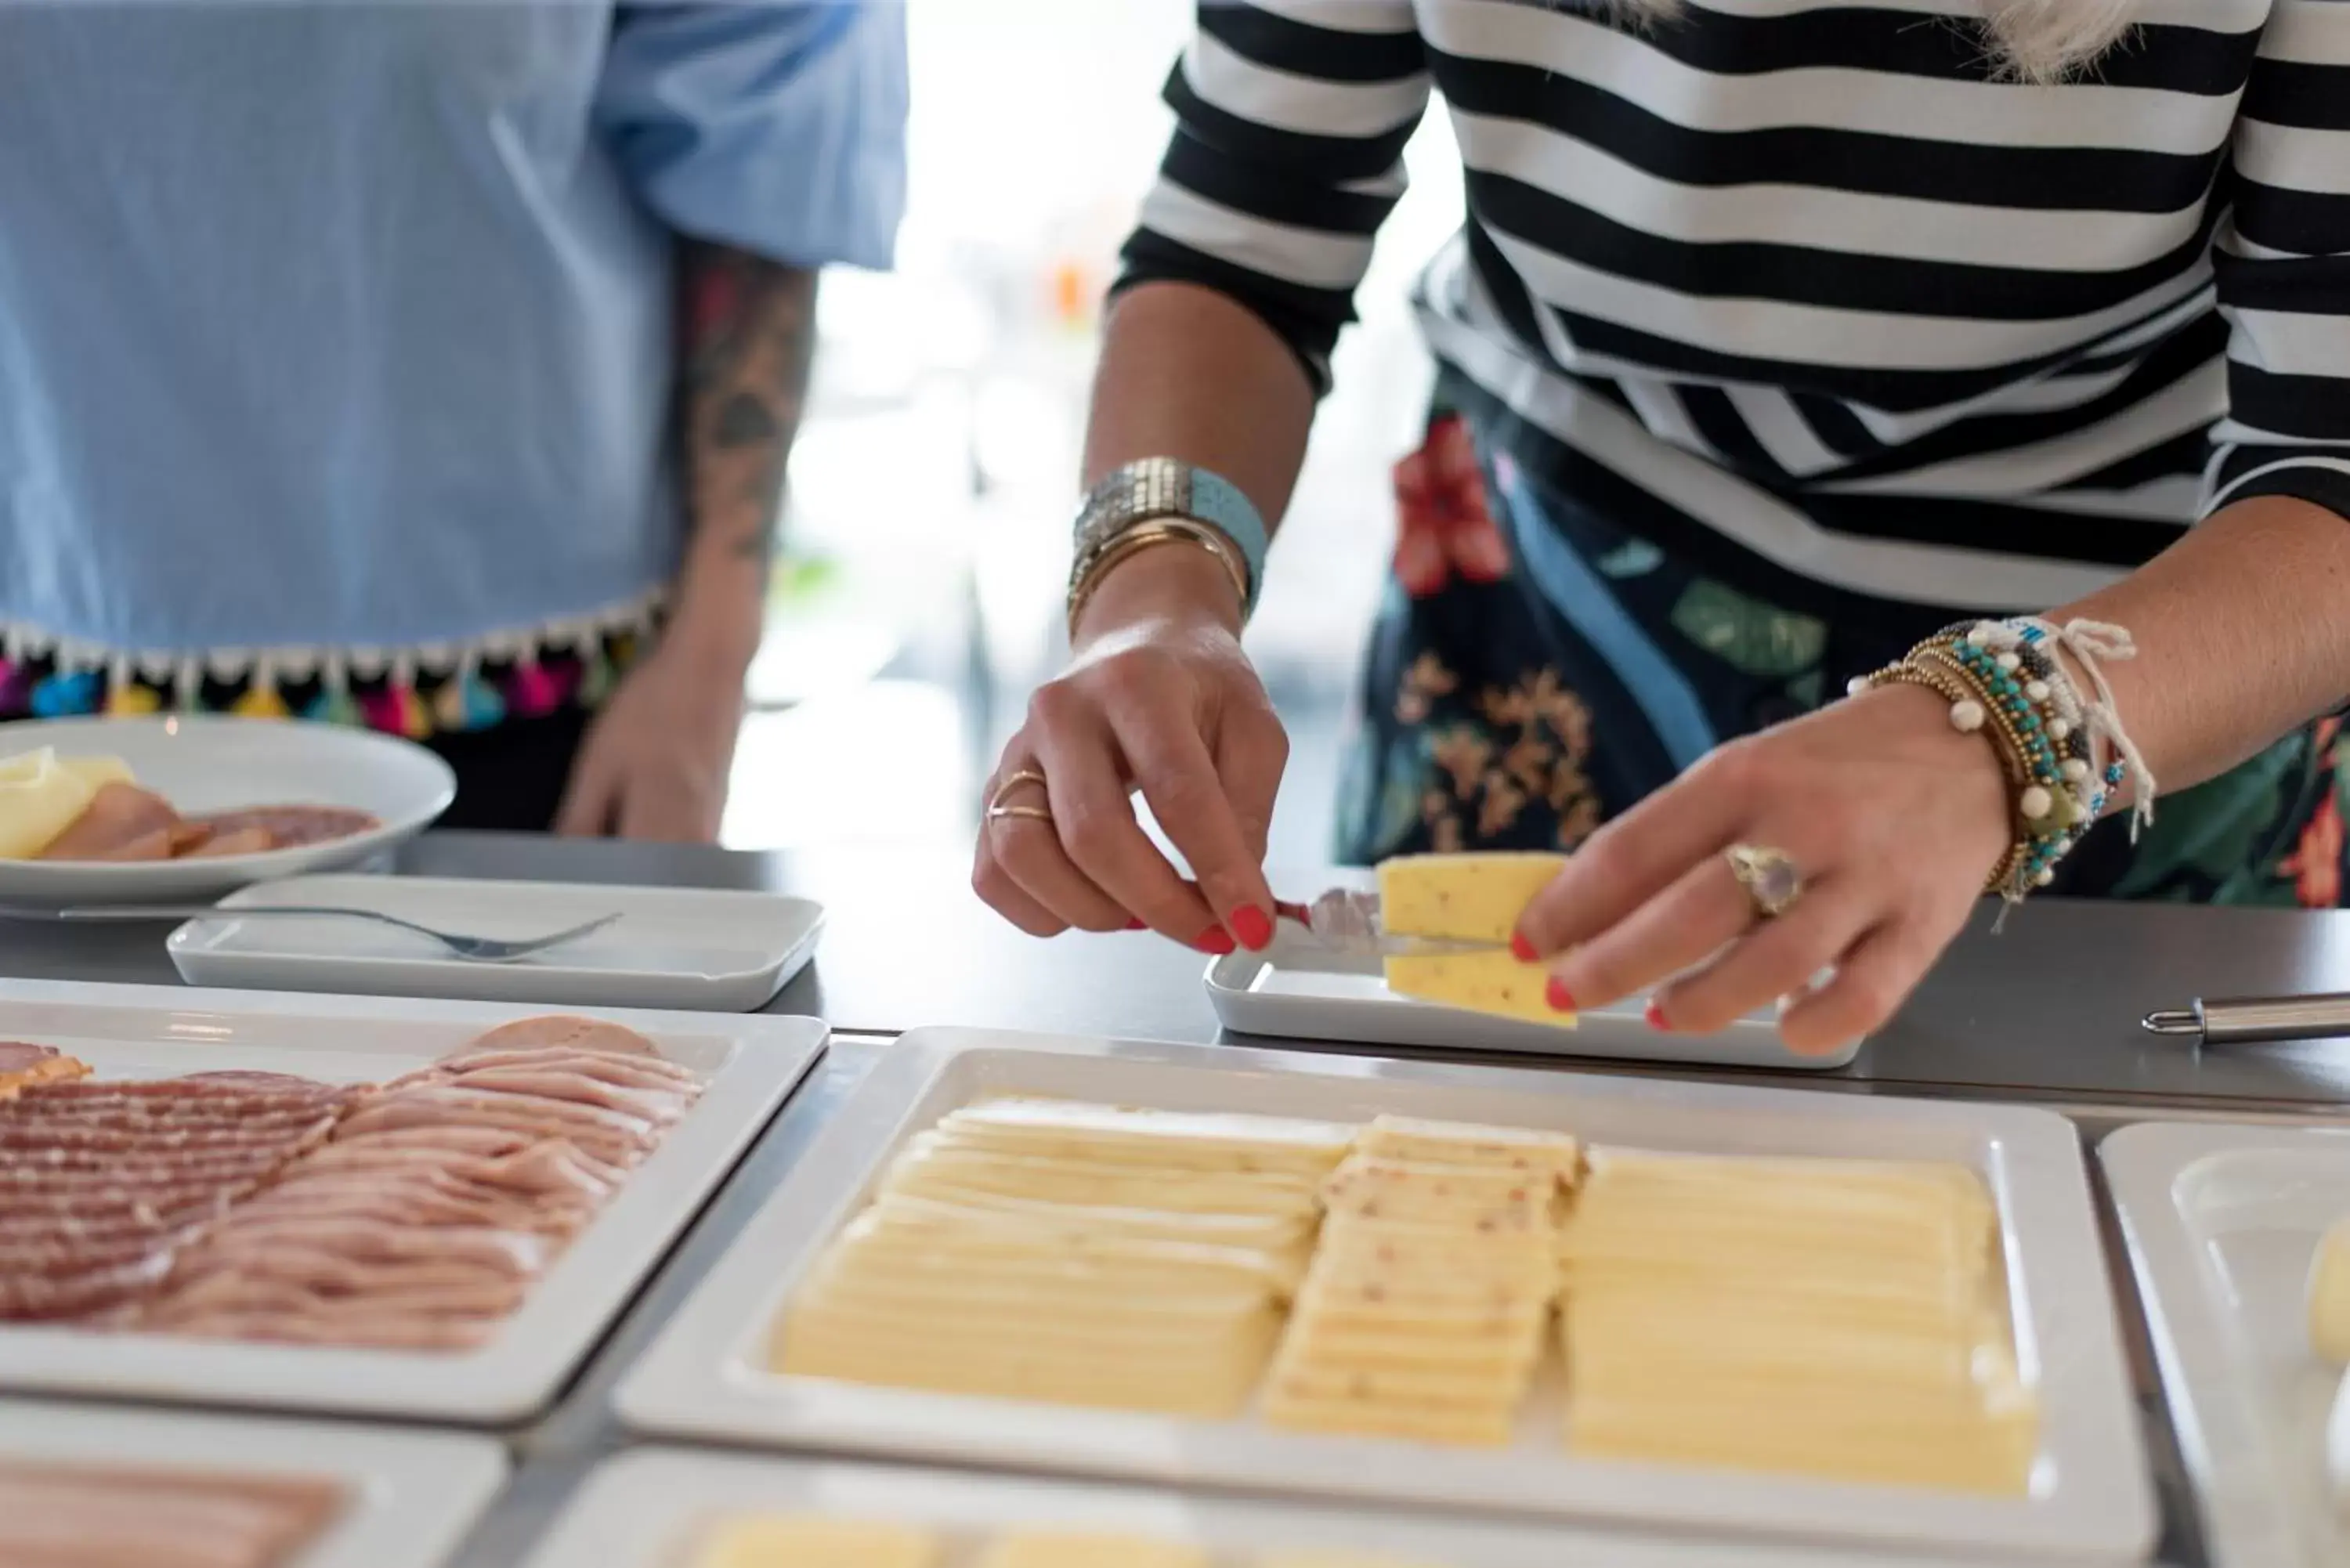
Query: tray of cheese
x=1303, y=989
x=674, y=1508
x=1615, y=1301
x=361, y=1206
x=2237, y=1235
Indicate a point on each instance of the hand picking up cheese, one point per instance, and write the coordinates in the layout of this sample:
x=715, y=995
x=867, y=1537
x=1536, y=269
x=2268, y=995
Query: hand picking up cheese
x=42, y=793
x=1468, y=898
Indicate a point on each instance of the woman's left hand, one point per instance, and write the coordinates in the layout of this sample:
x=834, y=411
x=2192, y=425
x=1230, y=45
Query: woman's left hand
x=1894, y=820
x=657, y=758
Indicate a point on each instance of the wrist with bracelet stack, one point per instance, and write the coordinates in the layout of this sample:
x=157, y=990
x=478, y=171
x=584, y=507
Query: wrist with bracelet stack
x=2064, y=751
x=1160, y=500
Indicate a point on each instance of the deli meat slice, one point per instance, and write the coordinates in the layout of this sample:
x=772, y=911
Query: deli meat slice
x=107, y=1517
x=578, y=1034
x=22, y=1066
x=283, y=827
x=123, y=822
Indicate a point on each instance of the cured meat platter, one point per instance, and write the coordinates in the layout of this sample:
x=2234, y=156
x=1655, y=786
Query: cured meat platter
x=426, y=1209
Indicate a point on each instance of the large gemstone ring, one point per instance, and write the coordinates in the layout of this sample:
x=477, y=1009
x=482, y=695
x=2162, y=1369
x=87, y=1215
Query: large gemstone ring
x=1771, y=882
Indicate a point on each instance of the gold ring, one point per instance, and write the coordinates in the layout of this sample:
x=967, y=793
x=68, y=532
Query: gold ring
x=1769, y=876
x=996, y=808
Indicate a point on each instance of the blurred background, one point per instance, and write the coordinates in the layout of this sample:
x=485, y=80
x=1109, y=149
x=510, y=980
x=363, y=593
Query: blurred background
x=919, y=599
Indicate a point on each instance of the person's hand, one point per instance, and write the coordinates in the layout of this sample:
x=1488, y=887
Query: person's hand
x=1158, y=698
x=1893, y=819
x=656, y=760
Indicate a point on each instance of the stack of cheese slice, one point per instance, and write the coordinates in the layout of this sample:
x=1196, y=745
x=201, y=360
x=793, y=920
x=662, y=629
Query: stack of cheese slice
x=785, y=1540
x=1072, y=1253
x=1425, y=1310
x=1844, y=1318
x=1468, y=898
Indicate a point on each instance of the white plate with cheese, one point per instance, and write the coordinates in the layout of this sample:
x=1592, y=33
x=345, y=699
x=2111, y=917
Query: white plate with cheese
x=2085, y=1494
x=673, y=1508
x=408, y=1498
x=200, y=765
x=2224, y=1222
x=1301, y=989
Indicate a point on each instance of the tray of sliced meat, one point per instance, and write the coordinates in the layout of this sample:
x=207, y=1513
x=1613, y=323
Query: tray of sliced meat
x=417, y=1208
x=87, y=1487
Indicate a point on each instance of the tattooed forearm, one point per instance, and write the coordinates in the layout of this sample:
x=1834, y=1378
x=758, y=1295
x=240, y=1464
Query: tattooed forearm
x=749, y=339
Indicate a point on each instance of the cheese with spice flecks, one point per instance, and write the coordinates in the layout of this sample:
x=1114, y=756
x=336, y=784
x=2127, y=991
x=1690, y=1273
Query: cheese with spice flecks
x=1468, y=898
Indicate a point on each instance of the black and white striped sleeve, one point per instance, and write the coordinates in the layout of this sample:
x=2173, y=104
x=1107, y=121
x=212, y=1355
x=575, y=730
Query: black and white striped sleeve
x=2284, y=268
x=1291, y=121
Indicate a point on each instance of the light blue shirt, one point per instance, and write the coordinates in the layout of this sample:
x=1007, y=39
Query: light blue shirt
x=330, y=326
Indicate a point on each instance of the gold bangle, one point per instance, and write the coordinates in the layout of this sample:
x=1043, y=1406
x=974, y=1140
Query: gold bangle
x=1088, y=575
x=2006, y=747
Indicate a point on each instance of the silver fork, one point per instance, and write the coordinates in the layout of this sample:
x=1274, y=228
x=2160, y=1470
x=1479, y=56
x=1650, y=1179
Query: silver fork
x=486, y=950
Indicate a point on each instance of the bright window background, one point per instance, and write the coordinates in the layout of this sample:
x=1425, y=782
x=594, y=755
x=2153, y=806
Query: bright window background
x=935, y=476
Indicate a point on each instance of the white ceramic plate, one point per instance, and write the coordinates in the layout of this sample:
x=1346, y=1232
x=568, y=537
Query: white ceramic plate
x=1299, y=990
x=2221, y=1222
x=705, y=1376
x=750, y=1064
x=644, y=1510
x=204, y=765
x=412, y=1496
x=671, y=948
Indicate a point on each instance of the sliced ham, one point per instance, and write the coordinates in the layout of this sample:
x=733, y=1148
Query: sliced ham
x=287, y=827
x=123, y=822
x=558, y=1029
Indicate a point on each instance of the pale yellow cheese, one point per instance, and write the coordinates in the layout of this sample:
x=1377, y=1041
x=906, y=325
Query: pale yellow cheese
x=2329, y=1296
x=783, y=1542
x=1088, y=1550
x=1495, y=983
x=42, y=794
x=1461, y=898
x=1333, y=1559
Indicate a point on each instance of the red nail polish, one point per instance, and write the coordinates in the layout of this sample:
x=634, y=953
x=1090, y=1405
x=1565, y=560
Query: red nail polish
x=1521, y=949
x=1561, y=1000
x=1656, y=1017
x=1215, y=942
x=1137, y=925
x=1254, y=930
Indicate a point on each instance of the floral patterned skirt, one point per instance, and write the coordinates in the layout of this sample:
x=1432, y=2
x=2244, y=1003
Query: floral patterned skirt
x=1536, y=668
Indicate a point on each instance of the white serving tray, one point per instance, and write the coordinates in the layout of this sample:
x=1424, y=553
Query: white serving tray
x=672, y=947
x=1299, y=990
x=202, y=764
x=752, y=1065
x=412, y=1496
x=2221, y=1222
x=642, y=1509
x=705, y=1376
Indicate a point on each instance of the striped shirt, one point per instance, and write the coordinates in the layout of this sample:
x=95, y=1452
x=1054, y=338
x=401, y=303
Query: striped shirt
x=1803, y=289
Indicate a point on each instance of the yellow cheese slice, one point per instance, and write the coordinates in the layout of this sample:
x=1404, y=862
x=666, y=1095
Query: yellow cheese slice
x=1074, y=1551
x=1205, y=1140
x=1495, y=983
x=2329, y=1295
x=1467, y=1143
x=788, y=1542
x=1461, y=898
x=1334, y=1560
x=40, y=798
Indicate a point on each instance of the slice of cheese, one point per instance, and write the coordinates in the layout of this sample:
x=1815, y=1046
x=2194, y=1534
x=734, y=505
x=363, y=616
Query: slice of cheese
x=1056, y=1551
x=1493, y=982
x=40, y=798
x=1461, y=898
x=2329, y=1296
x=775, y=1542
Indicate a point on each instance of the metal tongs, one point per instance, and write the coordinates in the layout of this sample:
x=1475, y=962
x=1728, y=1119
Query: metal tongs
x=2251, y=1021
x=1348, y=921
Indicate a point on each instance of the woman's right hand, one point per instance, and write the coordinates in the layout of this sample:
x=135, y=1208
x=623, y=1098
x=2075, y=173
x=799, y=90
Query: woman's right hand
x=1159, y=699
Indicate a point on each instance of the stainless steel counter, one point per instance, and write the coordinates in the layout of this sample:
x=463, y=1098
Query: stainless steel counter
x=2045, y=1011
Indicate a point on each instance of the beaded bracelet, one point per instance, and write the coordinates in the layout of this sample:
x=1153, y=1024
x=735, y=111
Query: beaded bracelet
x=2000, y=681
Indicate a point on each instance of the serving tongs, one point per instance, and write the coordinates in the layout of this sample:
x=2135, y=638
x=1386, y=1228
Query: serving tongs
x=2252, y=1021
x=1348, y=921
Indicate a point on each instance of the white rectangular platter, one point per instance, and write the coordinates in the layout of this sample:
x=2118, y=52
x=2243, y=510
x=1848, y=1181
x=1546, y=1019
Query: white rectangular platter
x=2221, y=1222
x=672, y=947
x=645, y=1509
x=751, y=1065
x=704, y=1377
x=412, y=1496
x=1299, y=990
